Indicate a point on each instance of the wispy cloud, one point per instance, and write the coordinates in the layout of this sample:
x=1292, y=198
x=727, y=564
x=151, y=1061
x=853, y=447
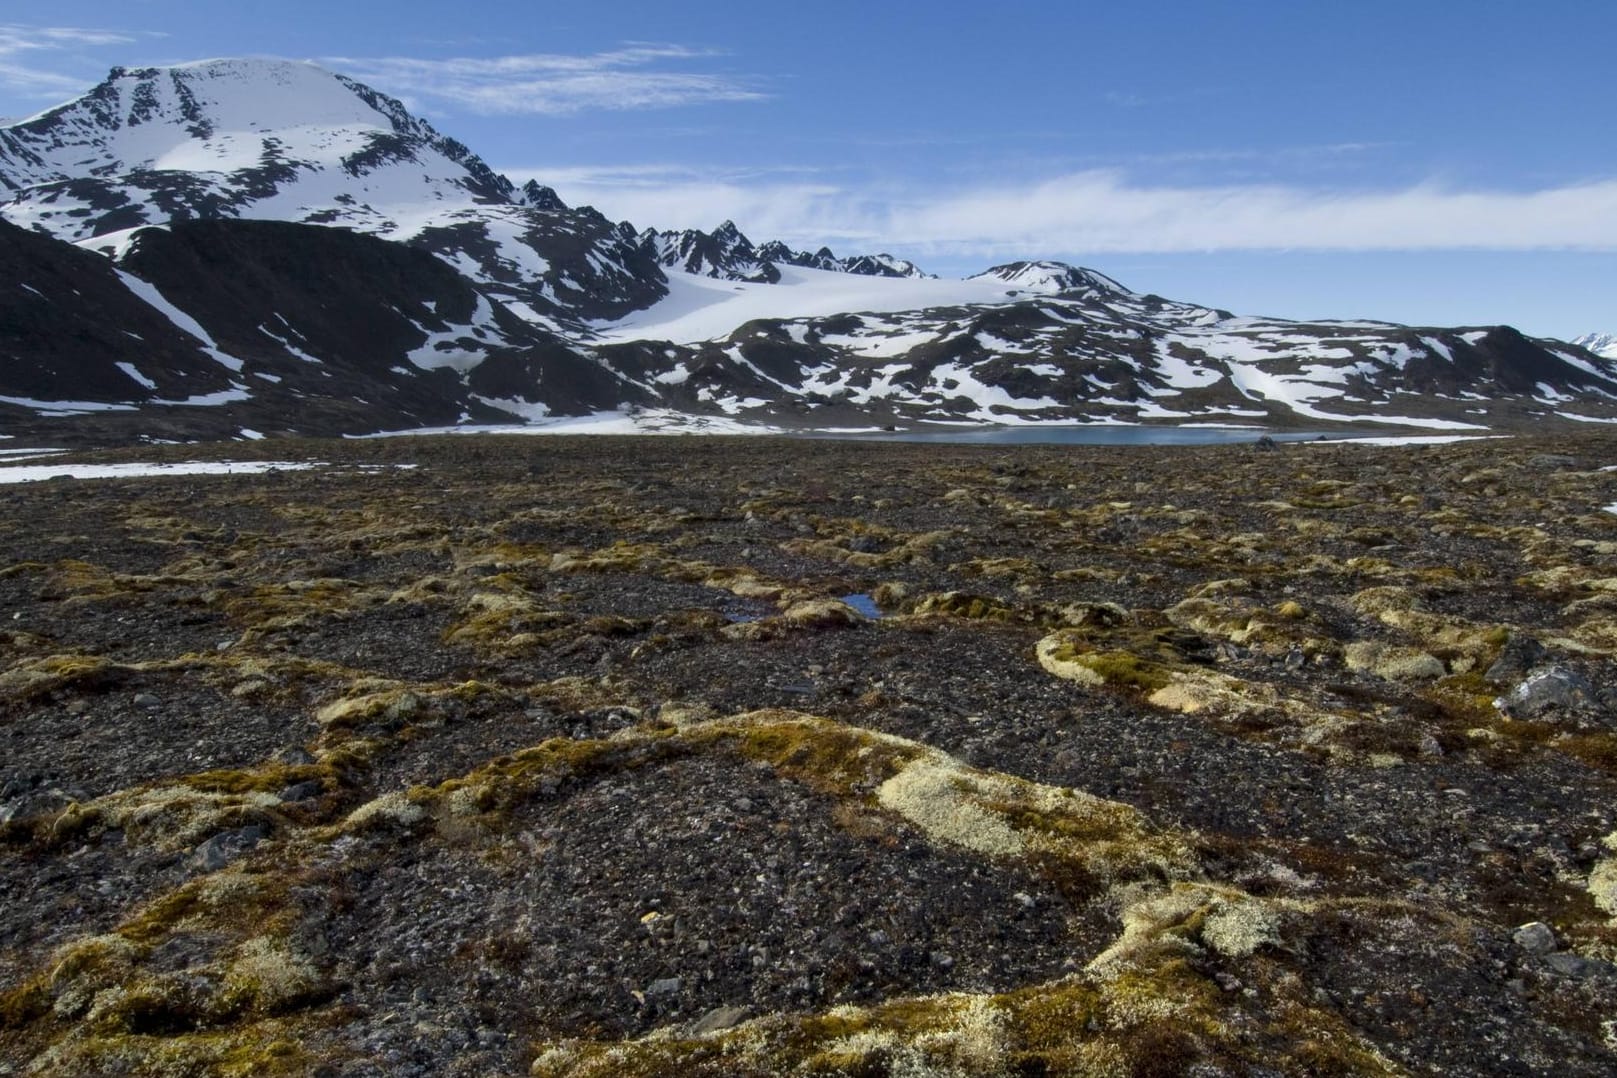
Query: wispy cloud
x=1090, y=212
x=637, y=76
x=51, y=61
x=1273, y=155
x=788, y=203
x=1102, y=211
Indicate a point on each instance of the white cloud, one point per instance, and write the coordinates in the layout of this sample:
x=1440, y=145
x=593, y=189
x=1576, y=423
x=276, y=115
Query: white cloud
x=1102, y=212
x=38, y=61
x=633, y=77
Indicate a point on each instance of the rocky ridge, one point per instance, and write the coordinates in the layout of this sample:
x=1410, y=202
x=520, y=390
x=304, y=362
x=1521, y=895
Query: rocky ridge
x=726, y=253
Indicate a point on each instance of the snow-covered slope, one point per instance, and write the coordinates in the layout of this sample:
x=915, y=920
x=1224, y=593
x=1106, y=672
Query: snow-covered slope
x=279, y=139
x=1052, y=277
x=1047, y=342
x=286, y=141
x=235, y=117
x=705, y=308
x=434, y=292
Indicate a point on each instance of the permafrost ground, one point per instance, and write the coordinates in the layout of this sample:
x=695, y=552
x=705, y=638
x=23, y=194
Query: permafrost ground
x=585, y=757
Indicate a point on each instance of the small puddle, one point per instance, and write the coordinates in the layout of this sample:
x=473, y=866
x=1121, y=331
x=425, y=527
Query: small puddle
x=862, y=602
x=743, y=610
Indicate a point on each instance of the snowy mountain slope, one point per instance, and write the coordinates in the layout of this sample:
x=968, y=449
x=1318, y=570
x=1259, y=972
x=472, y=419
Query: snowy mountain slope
x=699, y=308
x=277, y=140
x=238, y=118
x=292, y=251
x=287, y=141
x=124, y=350
x=1071, y=343
x=1602, y=344
x=207, y=328
x=1051, y=277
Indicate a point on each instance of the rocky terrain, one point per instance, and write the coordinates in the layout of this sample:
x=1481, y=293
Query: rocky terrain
x=751, y=757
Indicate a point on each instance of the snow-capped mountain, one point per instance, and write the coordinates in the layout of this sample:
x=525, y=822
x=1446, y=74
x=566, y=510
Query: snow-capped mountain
x=1053, y=277
x=284, y=141
x=1032, y=342
x=265, y=128
x=267, y=246
x=1602, y=344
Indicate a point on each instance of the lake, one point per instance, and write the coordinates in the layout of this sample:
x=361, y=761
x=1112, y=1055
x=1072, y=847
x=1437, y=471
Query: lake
x=1085, y=435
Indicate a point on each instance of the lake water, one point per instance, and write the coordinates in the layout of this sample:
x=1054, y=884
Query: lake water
x=1087, y=435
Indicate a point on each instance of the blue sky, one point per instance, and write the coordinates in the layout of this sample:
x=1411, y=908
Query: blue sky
x=1437, y=163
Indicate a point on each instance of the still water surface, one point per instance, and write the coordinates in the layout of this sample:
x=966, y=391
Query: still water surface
x=1087, y=435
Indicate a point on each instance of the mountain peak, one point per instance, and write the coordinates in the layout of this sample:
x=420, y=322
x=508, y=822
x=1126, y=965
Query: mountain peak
x=226, y=116
x=1054, y=277
x=1601, y=344
x=540, y=197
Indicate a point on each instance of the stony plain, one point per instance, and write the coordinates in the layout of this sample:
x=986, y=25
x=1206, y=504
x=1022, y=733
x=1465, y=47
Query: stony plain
x=705, y=756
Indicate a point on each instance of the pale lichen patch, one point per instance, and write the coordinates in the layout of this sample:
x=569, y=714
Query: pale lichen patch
x=267, y=975
x=1392, y=662
x=393, y=808
x=1057, y=655
x=1603, y=879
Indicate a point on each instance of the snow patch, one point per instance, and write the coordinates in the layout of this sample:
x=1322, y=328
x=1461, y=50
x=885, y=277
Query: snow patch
x=702, y=308
x=61, y=408
x=33, y=473
x=182, y=321
x=135, y=375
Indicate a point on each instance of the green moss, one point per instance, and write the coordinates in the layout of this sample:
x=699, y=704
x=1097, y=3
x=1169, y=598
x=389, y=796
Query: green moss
x=828, y=756
x=959, y=604
x=1045, y=1019
x=1127, y=669
x=24, y=1004
x=34, y=678
x=507, y=781
x=891, y=595
x=1597, y=750
x=160, y=1007
x=1117, y=669
x=268, y=1049
x=1466, y=699
x=158, y=919
x=266, y=779
x=247, y=1057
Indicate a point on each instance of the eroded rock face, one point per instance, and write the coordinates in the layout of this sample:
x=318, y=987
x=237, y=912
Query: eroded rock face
x=576, y=758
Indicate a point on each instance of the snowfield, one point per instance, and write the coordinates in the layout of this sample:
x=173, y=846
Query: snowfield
x=704, y=308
